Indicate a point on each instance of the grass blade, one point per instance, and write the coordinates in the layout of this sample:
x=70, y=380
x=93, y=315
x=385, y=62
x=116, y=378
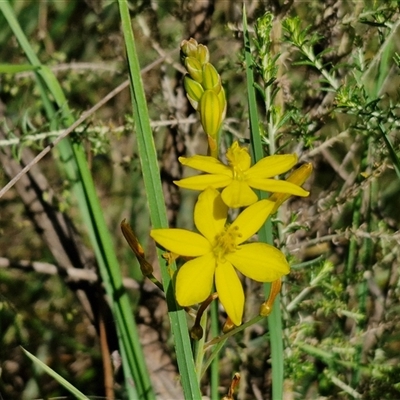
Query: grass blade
x=73, y=159
x=72, y=389
x=152, y=181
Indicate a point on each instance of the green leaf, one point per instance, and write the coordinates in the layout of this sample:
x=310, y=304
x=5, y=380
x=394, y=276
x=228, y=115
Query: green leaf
x=72, y=389
x=152, y=181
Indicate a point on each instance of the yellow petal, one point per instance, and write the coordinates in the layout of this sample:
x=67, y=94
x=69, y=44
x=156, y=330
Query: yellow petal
x=278, y=186
x=230, y=291
x=210, y=214
x=181, y=241
x=238, y=194
x=206, y=164
x=194, y=280
x=260, y=262
x=252, y=218
x=272, y=165
x=201, y=182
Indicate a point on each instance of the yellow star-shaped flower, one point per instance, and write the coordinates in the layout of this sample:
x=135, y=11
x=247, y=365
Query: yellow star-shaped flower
x=218, y=249
x=238, y=177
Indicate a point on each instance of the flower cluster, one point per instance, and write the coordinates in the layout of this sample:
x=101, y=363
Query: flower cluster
x=219, y=248
x=204, y=89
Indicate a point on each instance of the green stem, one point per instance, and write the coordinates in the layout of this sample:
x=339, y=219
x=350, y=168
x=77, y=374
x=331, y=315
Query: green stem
x=214, y=370
x=265, y=233
x=352, y=255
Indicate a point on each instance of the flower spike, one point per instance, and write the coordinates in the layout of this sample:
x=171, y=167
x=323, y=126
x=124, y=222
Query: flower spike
x=204, y=90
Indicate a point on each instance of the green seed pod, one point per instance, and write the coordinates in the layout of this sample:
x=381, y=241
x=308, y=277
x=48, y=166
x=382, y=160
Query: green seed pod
x=194, y=68
x=211, y=78
x=196, y=332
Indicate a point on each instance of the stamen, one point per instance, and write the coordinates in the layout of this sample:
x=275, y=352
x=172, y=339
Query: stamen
x=225, y=242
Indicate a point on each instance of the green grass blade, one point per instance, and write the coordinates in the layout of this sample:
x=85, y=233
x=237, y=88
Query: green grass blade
x=214, y=370
x=152, y=181
x=14, y=69
x=265, y=233
x=72, y=389
x=74, y=161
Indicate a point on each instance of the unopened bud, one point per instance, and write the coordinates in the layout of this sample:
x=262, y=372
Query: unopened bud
x=298, y=177
x=211, y=78
x=210, y=113
x=222, y=102
x=194, y=90
x=203, y=55
x=301, y=174
x=189, y=47
x=194, y=68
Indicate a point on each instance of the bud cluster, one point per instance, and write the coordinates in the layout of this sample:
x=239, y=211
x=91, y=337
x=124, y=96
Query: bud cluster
x=204, y=89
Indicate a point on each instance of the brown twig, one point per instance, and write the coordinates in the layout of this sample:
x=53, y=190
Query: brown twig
x=74, y=274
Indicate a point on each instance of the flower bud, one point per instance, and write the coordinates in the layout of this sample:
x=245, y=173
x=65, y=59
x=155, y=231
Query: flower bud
x=203, y=55
x=298, y=177
x=193, y=89
x=301, y=174
x=210, y=113
x=194, y=68
x=222, y=102
x=211, y=78
x=189, y=47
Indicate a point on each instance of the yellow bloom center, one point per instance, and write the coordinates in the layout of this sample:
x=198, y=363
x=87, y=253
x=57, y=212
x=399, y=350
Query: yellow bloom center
x=239, y=160
x=238, y=174
x=225, y=242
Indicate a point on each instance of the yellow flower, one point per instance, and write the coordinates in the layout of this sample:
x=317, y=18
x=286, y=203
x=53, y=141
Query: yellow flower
x=218, y=249
x=238, y=177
